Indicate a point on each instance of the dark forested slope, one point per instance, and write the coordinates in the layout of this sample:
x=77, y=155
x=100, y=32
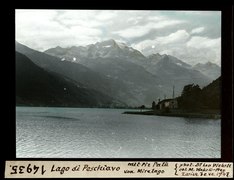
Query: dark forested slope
x=38, y=87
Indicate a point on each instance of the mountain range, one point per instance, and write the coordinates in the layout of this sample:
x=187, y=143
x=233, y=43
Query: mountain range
x=38, y=87
x=209, y=69
x=90, y=79
x=119, y=71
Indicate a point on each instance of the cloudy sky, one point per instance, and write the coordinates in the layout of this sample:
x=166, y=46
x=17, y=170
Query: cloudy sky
x=192, y=36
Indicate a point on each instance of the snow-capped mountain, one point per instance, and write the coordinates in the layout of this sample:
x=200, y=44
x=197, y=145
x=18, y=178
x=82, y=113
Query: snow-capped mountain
x=145, y=78
x=85, y=77
x=105, y=49
x=129, y=89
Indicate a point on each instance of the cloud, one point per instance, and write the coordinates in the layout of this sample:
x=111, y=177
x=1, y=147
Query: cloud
x=137, y=31
x=105, y=15
x=197, y=30
x=199, y=42
x=84, y=31
x=86, y=18
x=172, y=39
x=191, y=49
x=199, y=13
x=43, y=29
x=133, y=32
x=179, y=36
x=204, y=49
x=193, y=36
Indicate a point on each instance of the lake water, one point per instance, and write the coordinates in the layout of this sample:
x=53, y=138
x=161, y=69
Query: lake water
x=107, y=133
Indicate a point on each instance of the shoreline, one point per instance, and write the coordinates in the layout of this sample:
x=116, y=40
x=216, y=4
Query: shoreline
x=177, y=114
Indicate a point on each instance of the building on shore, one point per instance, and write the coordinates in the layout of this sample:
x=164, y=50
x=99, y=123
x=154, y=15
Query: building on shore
x=168, y=104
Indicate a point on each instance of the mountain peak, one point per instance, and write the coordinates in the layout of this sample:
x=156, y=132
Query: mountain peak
x=210, y=64
x=113, y=43
x=165, y=57
x=155, y=56
x=58, y=47
x=207, y=64
x=210, y=69
x=109, y=42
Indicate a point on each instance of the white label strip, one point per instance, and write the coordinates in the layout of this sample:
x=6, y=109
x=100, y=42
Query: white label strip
x=87, y=169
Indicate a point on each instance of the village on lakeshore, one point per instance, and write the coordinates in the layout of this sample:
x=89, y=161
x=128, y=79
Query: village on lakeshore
x=194, y=102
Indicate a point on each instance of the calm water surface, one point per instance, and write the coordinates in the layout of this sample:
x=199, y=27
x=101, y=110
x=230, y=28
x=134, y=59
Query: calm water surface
x=107, y=133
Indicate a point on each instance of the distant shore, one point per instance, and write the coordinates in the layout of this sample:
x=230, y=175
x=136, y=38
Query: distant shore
x=177, y=114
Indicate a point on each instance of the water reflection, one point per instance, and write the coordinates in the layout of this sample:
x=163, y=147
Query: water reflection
x=107, y=133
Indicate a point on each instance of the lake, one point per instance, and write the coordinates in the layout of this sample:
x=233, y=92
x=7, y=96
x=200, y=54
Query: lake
x=43, y=132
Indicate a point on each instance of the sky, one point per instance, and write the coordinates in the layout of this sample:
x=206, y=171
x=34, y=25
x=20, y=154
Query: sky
x=192, y=36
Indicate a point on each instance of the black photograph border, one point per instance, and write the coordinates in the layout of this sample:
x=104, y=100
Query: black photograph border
x=9, y=142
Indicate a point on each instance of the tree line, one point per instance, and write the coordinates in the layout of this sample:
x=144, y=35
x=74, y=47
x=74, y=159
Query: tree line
x=195, y=98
